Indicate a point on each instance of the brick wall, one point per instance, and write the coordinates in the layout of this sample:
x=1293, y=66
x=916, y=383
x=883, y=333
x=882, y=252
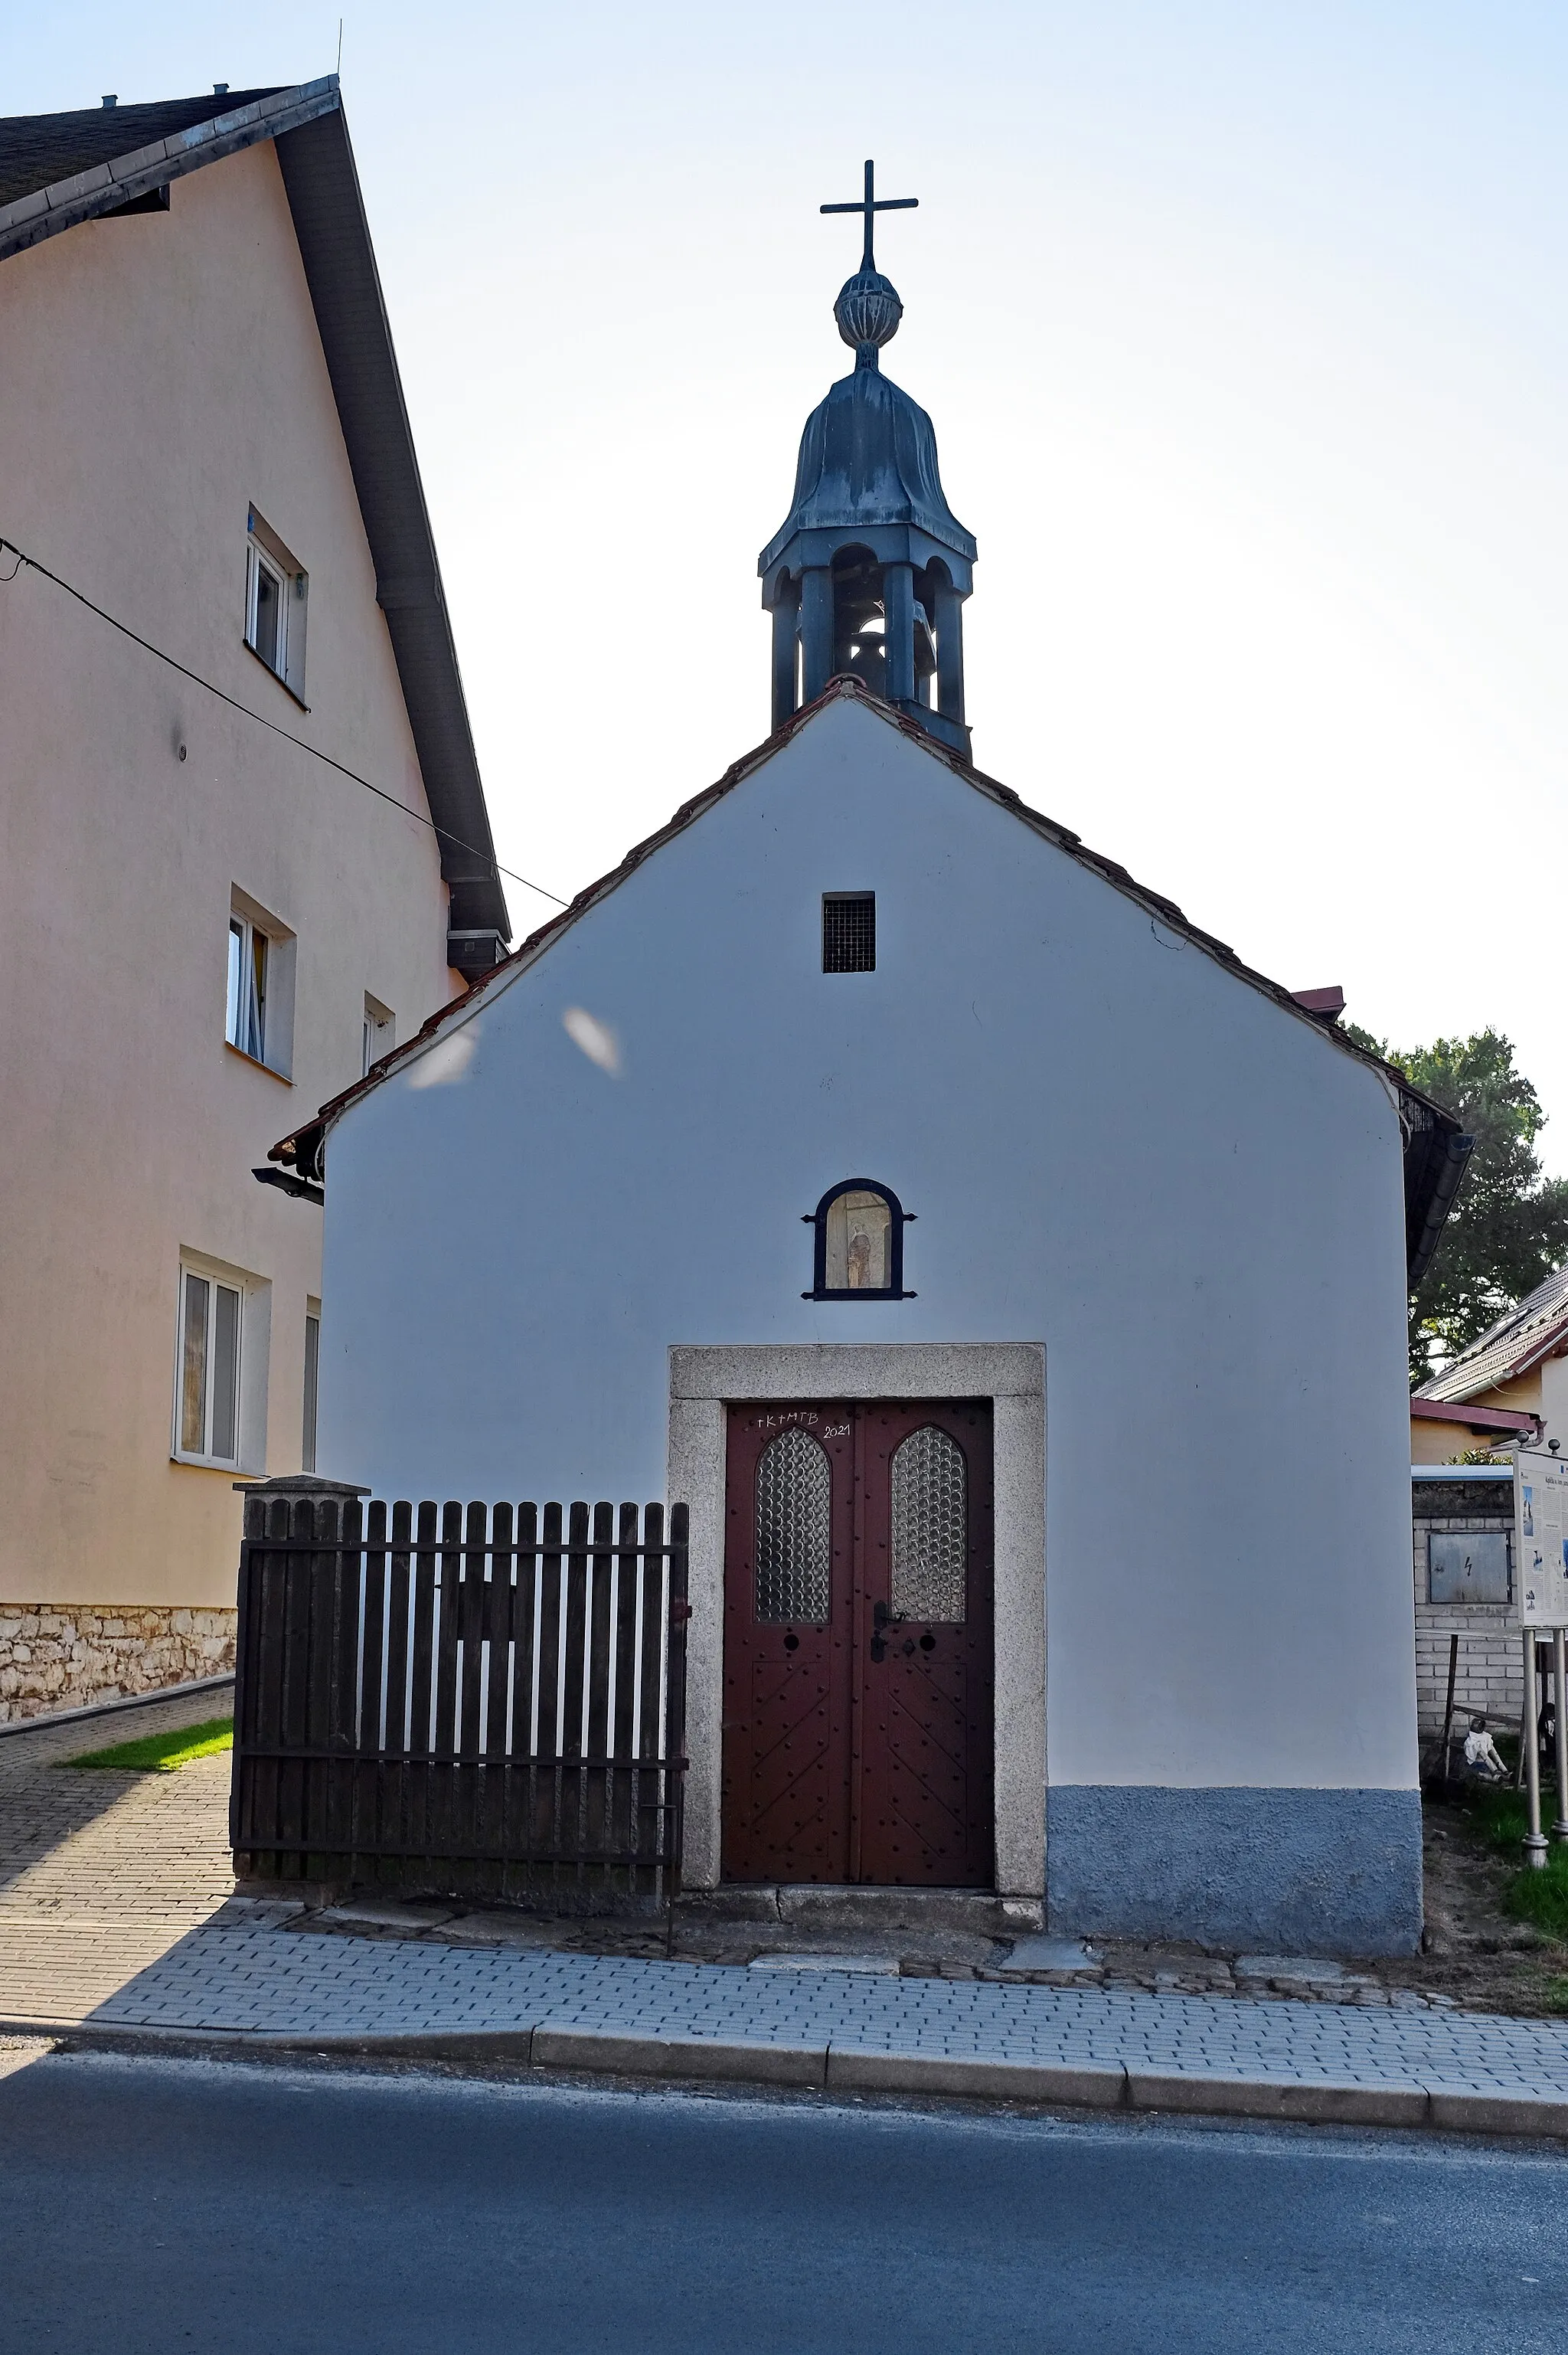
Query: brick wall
x=63, y=1655
x=1491, y=1665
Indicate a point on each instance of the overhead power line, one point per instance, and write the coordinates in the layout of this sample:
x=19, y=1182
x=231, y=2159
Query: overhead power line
x=10, y=547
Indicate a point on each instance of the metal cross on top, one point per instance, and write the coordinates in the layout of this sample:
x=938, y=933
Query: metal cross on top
x=871, y=203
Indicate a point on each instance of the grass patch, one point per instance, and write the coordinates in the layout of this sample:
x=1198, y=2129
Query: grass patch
x=1497, y=1815
x=1542, y=1897
x=1500, y=1818
x=163, y=1753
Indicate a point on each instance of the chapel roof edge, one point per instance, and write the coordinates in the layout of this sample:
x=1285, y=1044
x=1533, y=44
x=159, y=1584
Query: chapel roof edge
x=304, y=1149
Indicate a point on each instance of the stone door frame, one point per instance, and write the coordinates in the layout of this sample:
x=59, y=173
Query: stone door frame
x=704, y=1381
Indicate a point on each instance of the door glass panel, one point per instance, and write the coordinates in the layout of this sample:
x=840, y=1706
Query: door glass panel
x=929, y=1526
x=794, y=1528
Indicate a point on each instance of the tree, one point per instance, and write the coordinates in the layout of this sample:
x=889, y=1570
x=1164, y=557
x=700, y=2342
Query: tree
x=1509, y=1229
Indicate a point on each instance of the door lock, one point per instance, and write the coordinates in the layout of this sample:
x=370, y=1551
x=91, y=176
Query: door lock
x=882, y=1619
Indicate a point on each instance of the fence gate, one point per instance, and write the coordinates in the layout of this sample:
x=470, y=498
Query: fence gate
x=466, y=1700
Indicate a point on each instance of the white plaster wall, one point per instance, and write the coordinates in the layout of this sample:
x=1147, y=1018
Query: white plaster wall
x=1554, y=1401
x=157, y=375
x=1115, y=1149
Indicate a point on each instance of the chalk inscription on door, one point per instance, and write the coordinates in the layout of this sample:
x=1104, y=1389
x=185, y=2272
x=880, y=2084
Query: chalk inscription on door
x=858, y=1656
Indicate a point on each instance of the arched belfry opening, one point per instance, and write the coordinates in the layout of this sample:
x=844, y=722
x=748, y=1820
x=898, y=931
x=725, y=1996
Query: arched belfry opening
x=869, y=573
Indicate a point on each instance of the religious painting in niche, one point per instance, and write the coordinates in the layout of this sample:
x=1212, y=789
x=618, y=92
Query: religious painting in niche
x=858, y=1243
x=794, y=1528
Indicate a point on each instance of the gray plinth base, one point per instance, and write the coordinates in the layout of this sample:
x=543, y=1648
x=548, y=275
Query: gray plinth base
x=1296, y=1871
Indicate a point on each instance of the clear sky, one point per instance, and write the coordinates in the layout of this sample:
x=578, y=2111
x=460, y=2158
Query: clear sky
x=1243, y=330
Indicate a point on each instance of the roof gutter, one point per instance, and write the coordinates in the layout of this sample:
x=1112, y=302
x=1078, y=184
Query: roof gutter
x=330, y=223
x=1451, y=1152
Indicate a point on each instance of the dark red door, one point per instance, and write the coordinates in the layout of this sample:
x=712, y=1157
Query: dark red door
x=858, y=1663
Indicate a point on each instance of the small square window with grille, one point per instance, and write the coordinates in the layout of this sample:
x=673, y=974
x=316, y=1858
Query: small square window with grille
x=849, y=932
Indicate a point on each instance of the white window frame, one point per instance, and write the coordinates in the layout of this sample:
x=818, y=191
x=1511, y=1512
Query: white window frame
x=311, y=1397
x=250, y=923
x=265, y=555
x=248, y=1402
x=378, y=1036
x=245, y=1006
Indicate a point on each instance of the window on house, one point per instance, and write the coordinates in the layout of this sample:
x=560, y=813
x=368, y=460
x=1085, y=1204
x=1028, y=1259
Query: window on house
x=223, y=1324
x=276, y=593
x=849, y=932
x=379, y=1039
x=247, y=1019
x=259, y=1014
x=312, y=1375
x=210, y=1321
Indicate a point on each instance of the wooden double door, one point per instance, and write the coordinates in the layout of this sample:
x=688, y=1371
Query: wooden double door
x=858, y=1644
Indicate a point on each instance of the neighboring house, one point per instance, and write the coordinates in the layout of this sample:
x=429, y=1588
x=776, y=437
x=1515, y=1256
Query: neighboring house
x=1117, y=1433
x=1440, y=1433
x=1520, y=1364
x=201, y=431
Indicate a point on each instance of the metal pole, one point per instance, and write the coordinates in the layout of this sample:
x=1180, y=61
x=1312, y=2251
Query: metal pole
x=1559, y=1651
x=1534, y=1843
x=1449, y=1711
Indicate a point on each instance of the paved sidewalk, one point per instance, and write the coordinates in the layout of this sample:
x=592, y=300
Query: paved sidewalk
x=859, y=2029
x=102, y=1873
x=114, y=1921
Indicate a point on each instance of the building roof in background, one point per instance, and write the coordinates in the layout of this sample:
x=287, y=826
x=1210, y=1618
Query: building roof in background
x=57, y=171
x=1473, y=1418
x=1519, y=1341
x=1430, y=1133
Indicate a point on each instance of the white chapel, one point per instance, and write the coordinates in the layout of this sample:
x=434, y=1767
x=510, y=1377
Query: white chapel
x=1012, y=1283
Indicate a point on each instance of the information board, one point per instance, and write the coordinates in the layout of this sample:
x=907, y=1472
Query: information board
x=1540, y=1539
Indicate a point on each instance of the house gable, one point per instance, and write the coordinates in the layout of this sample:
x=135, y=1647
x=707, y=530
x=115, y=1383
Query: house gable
x=61, y=172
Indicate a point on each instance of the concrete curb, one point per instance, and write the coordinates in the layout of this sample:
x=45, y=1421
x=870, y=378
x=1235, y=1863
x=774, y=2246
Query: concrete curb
x=740, y=2059
x=1311, y=2101
x=845, y=2068
x=853, y=2071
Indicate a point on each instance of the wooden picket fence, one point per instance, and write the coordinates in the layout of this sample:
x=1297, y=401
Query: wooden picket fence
x=480, y=1702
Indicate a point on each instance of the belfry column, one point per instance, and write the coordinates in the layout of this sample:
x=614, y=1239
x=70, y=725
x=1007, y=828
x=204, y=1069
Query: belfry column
x=898, y=621
x=816, y=629
x=786, y=614
x=949, y=620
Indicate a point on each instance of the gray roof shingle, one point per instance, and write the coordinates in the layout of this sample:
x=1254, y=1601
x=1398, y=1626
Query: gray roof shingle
x=39, y=150
x=1519, y=1339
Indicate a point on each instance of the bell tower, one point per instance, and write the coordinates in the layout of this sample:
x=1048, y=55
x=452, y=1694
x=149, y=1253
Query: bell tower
x=871, y=568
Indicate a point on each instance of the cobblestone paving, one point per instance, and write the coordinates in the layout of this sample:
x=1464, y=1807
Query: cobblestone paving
x=112, y=1890
x=277, y=1981
x=100, y=1873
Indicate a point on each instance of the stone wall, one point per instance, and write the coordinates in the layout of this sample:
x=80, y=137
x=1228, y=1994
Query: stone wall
x=64, y=1655
x=1492, y=1672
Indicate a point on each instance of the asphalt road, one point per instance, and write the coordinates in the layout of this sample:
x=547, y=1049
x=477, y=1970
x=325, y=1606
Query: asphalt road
x=153, y=2205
